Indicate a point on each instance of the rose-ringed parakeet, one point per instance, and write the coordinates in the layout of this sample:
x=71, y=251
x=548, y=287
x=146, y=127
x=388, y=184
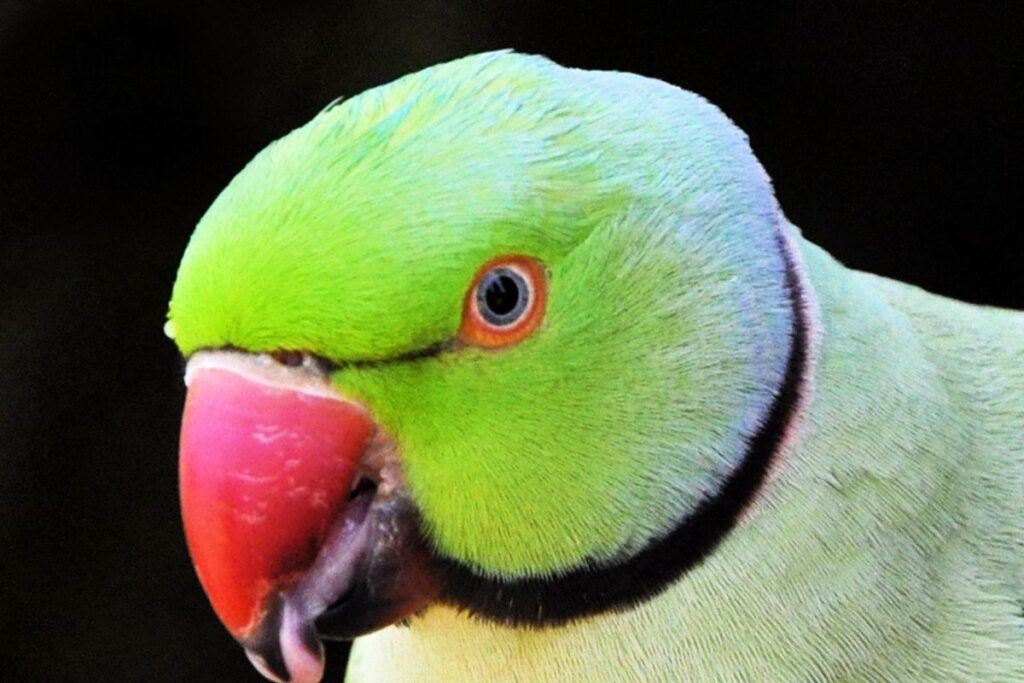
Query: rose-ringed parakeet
x=518, y=372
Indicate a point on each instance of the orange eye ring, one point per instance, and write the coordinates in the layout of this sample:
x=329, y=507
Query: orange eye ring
x=505, y=303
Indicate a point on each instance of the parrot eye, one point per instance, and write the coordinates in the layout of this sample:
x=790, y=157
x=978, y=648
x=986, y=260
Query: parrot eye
x=502, y=296
x=505, y=303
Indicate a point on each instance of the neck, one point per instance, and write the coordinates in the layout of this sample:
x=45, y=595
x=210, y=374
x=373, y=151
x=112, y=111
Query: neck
x=837, y=572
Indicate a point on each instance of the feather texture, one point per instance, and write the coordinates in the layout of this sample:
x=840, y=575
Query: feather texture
x=886, y=543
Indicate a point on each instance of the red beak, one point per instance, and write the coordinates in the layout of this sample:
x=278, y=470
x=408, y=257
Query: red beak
x=266, y=470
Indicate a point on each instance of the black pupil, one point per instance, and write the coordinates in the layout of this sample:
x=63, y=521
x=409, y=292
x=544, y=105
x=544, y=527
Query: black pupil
x=502, y=294
x=502, y=297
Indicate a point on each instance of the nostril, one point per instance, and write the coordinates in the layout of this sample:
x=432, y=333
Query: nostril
x=291, y=359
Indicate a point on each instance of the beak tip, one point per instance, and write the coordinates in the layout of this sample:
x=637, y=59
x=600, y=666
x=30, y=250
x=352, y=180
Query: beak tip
x=302, y=667
x=301, y=647
x=286, y=647
x=263, y=667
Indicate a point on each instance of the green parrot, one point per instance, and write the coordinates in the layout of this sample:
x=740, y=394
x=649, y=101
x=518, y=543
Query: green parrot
x=516, y=372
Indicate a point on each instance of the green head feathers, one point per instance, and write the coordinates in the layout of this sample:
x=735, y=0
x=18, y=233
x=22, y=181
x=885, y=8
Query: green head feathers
x=667, y=330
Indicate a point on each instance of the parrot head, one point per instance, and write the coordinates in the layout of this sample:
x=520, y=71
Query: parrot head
x=501, y=335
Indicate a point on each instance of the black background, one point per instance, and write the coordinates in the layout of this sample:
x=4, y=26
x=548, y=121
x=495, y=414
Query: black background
x=891, y=131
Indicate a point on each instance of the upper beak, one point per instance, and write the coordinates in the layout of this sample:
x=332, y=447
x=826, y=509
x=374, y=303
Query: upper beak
x=280, y=534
